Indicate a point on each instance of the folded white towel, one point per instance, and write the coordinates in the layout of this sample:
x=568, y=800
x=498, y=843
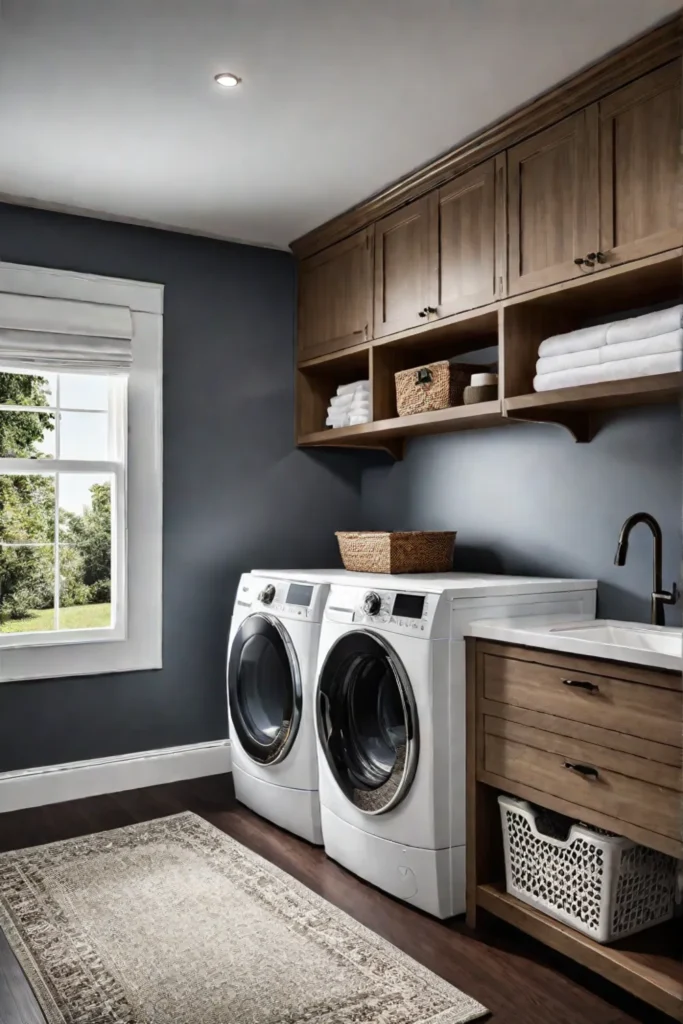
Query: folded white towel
x=671, y=342
x=356, y=418
x=348, y=389
x=337, y=421
x=574, y=341
x=617, y=369
x=649, y=325
x=359, y=403
x=341, y=401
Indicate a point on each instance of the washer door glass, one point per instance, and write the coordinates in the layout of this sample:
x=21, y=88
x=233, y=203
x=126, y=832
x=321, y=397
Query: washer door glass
x=264, y=689
x=367, y=722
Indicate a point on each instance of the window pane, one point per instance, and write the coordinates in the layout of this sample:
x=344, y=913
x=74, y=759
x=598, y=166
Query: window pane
x=27, y=435
x=27, y=388
x=84, y=435
x=27, y=508
x=83, y=391
x=85, y=550
x=27, y=588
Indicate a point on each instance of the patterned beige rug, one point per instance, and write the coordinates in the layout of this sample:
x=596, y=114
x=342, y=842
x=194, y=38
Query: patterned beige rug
x=173, y=922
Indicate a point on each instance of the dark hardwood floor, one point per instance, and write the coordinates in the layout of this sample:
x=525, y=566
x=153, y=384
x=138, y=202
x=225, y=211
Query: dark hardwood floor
x=519, y=980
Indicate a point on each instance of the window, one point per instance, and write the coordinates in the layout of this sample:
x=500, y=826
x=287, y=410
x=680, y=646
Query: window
x=62, y=506
x=80, y=474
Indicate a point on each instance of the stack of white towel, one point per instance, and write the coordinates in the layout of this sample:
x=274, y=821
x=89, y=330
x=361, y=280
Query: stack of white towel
x=638, y=347
x=351, y=405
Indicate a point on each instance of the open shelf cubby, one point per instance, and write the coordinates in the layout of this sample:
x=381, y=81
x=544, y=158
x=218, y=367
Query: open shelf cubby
x=503, y=336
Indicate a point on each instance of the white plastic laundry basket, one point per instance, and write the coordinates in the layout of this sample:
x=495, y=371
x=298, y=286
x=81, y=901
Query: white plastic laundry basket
x=598, y=883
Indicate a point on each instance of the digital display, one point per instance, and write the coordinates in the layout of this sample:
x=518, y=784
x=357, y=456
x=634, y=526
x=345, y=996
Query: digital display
x=299, y=594
x=409, y=606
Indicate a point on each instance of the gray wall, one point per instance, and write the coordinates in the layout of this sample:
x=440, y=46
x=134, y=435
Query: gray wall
x=527, y=499
x=237, y=494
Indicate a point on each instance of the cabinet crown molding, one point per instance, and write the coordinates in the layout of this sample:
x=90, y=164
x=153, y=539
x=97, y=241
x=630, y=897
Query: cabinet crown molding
x=647, y=52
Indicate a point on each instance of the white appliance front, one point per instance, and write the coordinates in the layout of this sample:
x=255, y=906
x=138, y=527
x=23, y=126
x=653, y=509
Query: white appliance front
x=272, y=655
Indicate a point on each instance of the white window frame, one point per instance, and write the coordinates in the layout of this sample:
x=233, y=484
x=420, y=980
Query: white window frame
x=136, y=643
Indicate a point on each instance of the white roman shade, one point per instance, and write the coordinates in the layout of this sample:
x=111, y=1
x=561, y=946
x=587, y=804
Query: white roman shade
x=61, y=334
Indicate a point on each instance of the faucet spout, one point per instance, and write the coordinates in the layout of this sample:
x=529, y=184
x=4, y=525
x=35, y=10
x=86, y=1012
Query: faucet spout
x=659, y=597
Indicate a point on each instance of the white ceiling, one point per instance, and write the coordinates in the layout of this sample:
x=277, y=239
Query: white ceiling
x=109, y=106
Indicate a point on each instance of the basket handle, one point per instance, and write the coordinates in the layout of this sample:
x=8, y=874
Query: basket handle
x=423, y=376
x=582, y=769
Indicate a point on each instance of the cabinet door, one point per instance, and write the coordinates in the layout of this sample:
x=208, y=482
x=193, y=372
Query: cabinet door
x=552, y=203
x=640, y=129
x=406, y=256
x=335, y=297
x=467, y=241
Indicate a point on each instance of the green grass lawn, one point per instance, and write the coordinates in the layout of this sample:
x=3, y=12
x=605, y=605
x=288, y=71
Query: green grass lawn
x=84, y=616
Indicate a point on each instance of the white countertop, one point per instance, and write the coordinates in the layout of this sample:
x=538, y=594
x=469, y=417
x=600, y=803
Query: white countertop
x=629, y=642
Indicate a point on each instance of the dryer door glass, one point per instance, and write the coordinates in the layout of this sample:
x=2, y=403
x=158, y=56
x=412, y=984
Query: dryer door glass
x=264, y=689
x=367, y=721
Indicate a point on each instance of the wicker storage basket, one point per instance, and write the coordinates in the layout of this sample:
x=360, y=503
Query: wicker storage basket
x=397, y=552
x=434, y=386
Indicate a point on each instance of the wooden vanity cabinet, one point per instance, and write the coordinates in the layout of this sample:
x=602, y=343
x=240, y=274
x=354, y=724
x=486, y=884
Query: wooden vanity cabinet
x=335, y=297
x=640, y=158
x=596, y=740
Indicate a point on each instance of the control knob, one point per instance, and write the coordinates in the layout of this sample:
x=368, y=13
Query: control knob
x=267, y=594
x=372, y=603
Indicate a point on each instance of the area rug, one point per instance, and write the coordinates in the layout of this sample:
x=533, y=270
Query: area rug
x=173, y=922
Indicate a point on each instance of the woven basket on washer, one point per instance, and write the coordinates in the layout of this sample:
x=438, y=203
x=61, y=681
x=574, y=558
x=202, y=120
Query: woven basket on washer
x=598, y=883
x=434, y=386
x=417, y=551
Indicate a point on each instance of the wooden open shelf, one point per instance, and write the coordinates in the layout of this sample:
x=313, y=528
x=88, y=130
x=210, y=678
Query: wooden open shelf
x=505, y=334
x=649, y=965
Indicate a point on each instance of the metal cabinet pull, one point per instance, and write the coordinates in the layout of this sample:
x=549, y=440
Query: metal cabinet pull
x=584, y=770
x=582, y=684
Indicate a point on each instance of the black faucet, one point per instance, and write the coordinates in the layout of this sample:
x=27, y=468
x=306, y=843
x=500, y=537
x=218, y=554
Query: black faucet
x=659, y=597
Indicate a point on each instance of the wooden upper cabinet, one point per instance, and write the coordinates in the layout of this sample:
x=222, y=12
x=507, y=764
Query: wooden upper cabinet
x=335, y=297
x=640, y=137
x=405, y=266
x=471, y=224
x=552, y=202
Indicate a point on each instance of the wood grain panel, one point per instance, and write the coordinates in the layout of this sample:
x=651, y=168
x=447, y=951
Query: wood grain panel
x=649, y=712
x=335, y=297
x=651, y=807
x=467, y=241
x=552, y=204
x=610, y=738
x=640, y=160
x=642, y=768
x=406, y=256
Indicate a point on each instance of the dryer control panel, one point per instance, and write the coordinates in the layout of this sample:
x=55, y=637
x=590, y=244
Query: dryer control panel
x=408, y=612
x=288, y=599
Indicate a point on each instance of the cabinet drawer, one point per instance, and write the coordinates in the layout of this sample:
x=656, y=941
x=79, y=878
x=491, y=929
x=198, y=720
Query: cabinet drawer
x=637, y=709
x=628, y=799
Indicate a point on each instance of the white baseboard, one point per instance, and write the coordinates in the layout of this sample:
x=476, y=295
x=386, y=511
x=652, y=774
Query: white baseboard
x=35, y=787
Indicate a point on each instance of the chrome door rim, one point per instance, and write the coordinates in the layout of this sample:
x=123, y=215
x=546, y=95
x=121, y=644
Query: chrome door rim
x=284, y=749
x=409, y=713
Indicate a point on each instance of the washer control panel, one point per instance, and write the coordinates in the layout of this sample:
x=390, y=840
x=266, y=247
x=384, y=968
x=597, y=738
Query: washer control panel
x=400, y=611
x=286, y=598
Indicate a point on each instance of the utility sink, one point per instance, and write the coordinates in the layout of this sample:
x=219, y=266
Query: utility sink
x=636, y=643
x=664, y=640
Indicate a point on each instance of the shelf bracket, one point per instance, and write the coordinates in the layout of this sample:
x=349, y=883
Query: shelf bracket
x=579, y=425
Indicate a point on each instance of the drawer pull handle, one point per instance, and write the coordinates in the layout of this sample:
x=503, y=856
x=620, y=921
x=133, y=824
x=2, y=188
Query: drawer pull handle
x=582, y=769
x=582, y=684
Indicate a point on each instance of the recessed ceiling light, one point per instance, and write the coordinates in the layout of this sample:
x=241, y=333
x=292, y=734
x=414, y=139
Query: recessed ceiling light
x=227, y=80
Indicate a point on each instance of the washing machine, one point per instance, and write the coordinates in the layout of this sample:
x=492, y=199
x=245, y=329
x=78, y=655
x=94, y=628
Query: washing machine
x=272, y=653
x=390, y=719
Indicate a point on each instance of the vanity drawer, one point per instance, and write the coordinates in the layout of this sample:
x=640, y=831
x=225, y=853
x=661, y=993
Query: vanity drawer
x=643, y=709
x=630, y=789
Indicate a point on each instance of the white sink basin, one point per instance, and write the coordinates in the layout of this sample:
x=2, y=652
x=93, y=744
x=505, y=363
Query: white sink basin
x=664, y=640
x=636, y=643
